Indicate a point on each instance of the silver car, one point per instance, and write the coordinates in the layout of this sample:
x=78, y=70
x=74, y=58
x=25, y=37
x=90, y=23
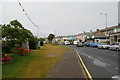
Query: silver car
x=118, y=48
x=103, y=46
x=79, y=44
x=115, y=46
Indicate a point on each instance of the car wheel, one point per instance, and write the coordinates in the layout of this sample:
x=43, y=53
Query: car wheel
x=117, y=49
x=102, y=47
x=109, y=49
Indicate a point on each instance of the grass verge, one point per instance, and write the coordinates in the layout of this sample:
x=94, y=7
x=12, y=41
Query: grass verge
x=35, y=65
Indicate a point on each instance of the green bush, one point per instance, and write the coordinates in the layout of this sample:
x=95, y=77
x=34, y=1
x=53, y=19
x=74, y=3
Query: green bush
x=33, y=43
x=14, y=51
x=6, y=48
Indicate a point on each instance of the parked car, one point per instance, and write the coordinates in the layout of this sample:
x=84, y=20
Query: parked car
x=93, y=45
x=103, y=46
x=61, y=43
x=79, y=44
x=71, y=43
x=75, y=42
x=67, y=43
x=118, y=48
x=87, y=44
x=115, y=46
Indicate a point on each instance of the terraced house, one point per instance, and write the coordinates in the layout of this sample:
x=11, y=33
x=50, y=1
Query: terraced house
x=109, y=34
x=114, y=33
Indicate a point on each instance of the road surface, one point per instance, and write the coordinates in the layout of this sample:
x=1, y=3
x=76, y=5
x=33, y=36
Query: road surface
x=100, y=63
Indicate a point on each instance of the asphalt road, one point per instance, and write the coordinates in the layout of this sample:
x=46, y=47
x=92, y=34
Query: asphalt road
x=100, y=63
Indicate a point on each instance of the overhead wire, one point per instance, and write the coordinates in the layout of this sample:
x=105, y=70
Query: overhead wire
x=30, y=19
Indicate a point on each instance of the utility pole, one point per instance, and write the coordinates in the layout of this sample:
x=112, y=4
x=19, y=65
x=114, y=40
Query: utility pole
x=106, y=25
x=37, y=31
x=37, y=27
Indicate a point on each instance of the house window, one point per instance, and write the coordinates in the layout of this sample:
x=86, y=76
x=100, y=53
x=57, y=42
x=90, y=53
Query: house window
x=117, y=30
x=118, y=40
x=115, y=37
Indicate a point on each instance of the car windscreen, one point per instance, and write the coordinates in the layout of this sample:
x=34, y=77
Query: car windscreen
x=115, y=44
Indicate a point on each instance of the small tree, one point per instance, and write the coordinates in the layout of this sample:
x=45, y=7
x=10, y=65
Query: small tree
x=51, y=37
x=14, y=33
x=33, y=42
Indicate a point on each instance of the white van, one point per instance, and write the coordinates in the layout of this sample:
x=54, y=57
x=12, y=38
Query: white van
x=75, y=42
x=67, y=42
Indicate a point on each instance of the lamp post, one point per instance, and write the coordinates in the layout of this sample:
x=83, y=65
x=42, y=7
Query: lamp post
x=106, y=24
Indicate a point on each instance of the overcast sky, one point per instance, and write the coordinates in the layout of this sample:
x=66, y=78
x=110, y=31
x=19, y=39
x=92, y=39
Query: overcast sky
x=61, y=18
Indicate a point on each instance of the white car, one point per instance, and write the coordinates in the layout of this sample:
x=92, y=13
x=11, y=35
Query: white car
x=67, y=42
x=75, y=42
x=115, y=46
x=103, y=46
x=118, y=48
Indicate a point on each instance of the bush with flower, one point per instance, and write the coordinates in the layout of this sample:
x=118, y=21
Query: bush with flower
x=23, y=51
x=6, y=58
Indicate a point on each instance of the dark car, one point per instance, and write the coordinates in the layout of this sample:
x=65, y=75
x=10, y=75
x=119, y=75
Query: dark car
x=87, y=44
x=79, y=44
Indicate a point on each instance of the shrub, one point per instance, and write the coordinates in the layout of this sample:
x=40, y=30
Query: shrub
x=33, y=43
x=5, y=47
x=21, y=51
x=15, y=51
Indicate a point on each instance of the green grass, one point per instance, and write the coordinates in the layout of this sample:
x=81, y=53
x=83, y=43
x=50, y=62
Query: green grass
x=13, y=69
x=36, y=64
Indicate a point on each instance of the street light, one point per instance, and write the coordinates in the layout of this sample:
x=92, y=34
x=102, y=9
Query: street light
x=105, y=17
x=106, y=24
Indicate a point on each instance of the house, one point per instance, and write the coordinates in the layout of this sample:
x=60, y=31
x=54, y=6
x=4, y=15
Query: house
x=57, y=39
x=73, y=37
x=109, y=35
x=114, y=33
x=100, y=36
x=82, y=36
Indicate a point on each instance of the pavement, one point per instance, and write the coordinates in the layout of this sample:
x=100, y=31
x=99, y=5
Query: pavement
x=68, y=67
x=99, y=62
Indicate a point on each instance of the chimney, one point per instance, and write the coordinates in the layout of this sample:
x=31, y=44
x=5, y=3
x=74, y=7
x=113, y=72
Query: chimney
x=97, y=30
x=91, y=31
x=119, y=24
